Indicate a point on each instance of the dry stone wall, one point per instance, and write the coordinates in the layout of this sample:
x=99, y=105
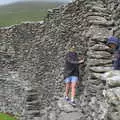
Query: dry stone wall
x=112, y=93
x=32, y=62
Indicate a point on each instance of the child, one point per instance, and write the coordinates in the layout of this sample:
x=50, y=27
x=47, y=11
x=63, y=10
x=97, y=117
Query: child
x=71, y=74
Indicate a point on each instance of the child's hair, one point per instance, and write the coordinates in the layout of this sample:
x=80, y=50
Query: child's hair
x=72, y=48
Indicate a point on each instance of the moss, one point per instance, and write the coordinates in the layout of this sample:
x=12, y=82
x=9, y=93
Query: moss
x=6, y=116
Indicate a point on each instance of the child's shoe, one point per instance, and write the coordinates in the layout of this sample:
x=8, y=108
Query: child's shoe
x=73, y=103
x=67, y=98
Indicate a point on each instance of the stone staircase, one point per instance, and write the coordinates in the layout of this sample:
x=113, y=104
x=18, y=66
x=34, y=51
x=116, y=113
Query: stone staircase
x=32, y=104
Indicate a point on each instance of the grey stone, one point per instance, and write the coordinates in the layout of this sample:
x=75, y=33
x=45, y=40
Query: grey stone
x=34, y=52
x=114, y=116
x=99, y=54
x=100, y=47
x=100, y=62
x=97, y=32
x=52, y=115
x=97, y=8
x=65, y=106
x=69, y=116
x=100, y=69
x=97, y=20
x=112, y=78
x=113, y=95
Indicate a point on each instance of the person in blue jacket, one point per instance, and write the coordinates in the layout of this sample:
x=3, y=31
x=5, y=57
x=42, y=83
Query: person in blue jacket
x=71, y=73
x=114, y=44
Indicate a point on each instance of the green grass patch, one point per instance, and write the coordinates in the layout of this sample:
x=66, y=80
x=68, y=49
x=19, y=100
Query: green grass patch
x=24, y=11
x=4, y=116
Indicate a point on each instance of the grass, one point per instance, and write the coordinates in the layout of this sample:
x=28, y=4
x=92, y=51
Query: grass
x=24, y=11
x=4, y=116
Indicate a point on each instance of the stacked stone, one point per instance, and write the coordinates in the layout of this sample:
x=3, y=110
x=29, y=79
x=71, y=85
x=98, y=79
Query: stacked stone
x=37, y=51
x=70, y=31
x=32, y=106
x=49, y=14
x=16, y=48
x=112, y=93
x=54, y=15
x=115, y=16
x=67, y=33
x=98, y=58
x=12, y=94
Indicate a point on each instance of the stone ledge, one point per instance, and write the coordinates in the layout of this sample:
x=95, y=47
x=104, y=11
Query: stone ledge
x=98, y=62
x=100, y=47
x=98, y=54
x=112, y=78
x=100, y=69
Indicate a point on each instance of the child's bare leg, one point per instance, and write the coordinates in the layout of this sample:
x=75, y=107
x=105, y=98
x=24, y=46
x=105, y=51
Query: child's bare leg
x=67, y=88
x=73, y=91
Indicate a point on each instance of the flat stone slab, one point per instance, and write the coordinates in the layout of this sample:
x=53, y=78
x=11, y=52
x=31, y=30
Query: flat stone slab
x=66, y=107
x=69, y=116
x=100, y=69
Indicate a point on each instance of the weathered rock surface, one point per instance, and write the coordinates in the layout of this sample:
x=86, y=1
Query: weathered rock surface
x=112, y=93
x=32, y=61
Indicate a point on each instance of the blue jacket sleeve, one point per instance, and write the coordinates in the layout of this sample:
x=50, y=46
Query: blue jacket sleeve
x=116, y=61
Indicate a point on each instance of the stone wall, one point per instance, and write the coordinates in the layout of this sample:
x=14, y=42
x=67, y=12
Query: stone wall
x=32, y=61
x=112, y=94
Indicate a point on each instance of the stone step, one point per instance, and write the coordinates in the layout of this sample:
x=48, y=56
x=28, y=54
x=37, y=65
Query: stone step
x=37, y=118
x=32, y=102
x=100, y=69
x=32, y=97
x=33, y=107
x=32, y=93
x=100, y=62
x=33, y=112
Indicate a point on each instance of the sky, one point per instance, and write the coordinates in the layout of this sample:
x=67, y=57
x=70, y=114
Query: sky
x=2, y=2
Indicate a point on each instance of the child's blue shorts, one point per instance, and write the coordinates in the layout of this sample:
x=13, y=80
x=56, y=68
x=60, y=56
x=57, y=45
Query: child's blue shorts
x=71, y=79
